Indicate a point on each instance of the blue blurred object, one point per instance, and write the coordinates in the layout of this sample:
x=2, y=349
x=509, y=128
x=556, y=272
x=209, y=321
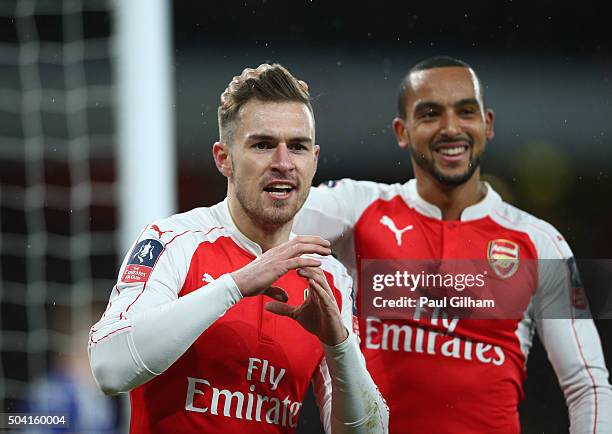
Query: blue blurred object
x=64, y=392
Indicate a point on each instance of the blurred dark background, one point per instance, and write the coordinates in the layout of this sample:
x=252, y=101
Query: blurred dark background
x=546, y=67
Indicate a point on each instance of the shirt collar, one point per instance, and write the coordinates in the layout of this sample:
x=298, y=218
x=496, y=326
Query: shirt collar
x=473, y=212
x=225, y=218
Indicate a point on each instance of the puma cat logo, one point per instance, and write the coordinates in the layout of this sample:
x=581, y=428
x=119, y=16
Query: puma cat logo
x=386, y=221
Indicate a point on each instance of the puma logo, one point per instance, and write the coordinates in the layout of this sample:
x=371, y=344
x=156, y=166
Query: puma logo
x=159, y=231
x=386, y=221
x=207, y=278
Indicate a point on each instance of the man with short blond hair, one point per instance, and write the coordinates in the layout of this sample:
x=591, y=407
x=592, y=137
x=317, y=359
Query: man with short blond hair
x=188, y=331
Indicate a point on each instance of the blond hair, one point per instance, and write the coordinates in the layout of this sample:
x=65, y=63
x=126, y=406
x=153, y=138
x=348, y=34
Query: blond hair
x=271, y=83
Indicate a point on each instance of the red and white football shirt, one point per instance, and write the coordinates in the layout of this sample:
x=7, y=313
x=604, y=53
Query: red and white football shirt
x=449, y=375
x=249, y=369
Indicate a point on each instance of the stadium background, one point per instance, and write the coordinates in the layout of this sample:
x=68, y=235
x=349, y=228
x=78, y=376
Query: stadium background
x=546, y=69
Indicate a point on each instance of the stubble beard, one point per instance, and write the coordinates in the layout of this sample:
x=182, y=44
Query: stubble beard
x=276, y=214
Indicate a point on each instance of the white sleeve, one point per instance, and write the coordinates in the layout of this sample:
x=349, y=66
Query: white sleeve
x=348, y=399
x=120, y=351
x=571, y=340
x=333, y=208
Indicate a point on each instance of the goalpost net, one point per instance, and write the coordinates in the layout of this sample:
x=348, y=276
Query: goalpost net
x=64, y=219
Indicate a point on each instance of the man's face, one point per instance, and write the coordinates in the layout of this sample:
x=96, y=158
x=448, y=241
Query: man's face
x=273, y=160
x=446, y=126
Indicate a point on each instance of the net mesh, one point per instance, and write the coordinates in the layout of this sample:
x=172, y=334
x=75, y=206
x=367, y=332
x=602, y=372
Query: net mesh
x=57, y=182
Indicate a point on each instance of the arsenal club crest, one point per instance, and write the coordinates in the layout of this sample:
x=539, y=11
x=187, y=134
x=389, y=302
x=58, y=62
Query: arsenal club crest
x=503, y=256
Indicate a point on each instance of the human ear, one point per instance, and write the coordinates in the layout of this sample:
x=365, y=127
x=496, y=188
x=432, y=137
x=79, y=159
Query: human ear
x=489, y=119
x=401, y=133
x=221, y=155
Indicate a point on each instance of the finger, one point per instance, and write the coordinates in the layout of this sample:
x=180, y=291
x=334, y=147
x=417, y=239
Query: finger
x=300, y=249
x=321, y=294
x=294, y=263
x=303, y=244
x=311, y=239
x=307, y=272
x=319, y=297
x=317, y=275
x=310, y=272
x=322, y=280
x=276, y=293
x=280, y=309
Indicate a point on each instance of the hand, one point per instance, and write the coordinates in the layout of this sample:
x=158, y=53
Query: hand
x=319, y=314
x=256, y=277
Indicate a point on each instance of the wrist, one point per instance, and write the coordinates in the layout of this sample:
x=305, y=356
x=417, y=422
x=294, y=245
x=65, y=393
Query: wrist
x=239, y=282
x=340, y=335
x=235, y=293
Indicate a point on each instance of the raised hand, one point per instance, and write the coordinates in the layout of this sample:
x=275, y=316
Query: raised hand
x=319, y=314
x=257, y=276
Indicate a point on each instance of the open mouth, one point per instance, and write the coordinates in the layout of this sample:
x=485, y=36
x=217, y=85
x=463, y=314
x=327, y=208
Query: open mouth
x=452, y=151
x=455, y=150
x=279, y=190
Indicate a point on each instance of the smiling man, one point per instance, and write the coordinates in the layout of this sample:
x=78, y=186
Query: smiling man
x=450, y=153
x=441, y=372
x=188, y=331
